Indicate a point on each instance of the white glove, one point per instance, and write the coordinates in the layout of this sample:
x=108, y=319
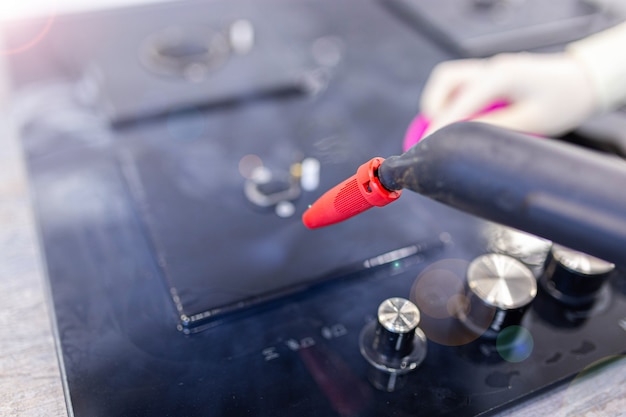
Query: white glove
x=548, y=94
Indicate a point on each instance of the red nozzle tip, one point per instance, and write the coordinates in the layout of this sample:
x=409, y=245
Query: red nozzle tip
x=358, y=193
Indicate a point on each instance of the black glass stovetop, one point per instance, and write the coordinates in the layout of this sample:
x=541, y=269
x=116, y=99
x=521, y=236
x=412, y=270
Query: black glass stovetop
x=177, y=293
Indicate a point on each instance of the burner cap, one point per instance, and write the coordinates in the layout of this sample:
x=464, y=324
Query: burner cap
x=187, y=53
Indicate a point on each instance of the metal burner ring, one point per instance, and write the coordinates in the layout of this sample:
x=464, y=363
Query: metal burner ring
x=187, y=53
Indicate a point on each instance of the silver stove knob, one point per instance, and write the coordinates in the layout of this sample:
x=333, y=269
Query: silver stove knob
x=499, y=289
x=393, y=344
x=398, y=319
x=573, y=277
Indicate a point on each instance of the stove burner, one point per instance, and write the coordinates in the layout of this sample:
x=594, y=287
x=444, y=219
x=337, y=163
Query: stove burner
x=267, y=188
x=190, y=54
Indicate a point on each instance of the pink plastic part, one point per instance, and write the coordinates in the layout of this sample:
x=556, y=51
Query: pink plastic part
x=420, y=123
x=358, y=193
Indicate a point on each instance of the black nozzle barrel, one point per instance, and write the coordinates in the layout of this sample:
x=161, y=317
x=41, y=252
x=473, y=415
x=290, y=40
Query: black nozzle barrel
x=562, y=192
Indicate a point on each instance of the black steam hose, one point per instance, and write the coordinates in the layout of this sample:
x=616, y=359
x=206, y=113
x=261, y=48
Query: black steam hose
x=562, y=192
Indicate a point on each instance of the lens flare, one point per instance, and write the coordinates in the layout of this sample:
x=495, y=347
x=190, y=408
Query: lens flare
x=436, y=291
x=439, y=293
x=32, y=39
x=515, y=344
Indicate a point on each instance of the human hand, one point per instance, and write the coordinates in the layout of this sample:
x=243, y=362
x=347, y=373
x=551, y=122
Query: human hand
x=547, y=94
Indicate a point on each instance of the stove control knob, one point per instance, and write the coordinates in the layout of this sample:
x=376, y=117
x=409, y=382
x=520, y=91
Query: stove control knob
x=574, y=278
x=499, y=288
x=393, y=344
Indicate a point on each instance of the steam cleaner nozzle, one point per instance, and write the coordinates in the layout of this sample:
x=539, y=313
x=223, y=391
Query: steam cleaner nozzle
x=358, y=193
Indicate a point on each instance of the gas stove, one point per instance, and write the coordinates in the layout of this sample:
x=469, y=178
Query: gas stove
x=171, y=151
